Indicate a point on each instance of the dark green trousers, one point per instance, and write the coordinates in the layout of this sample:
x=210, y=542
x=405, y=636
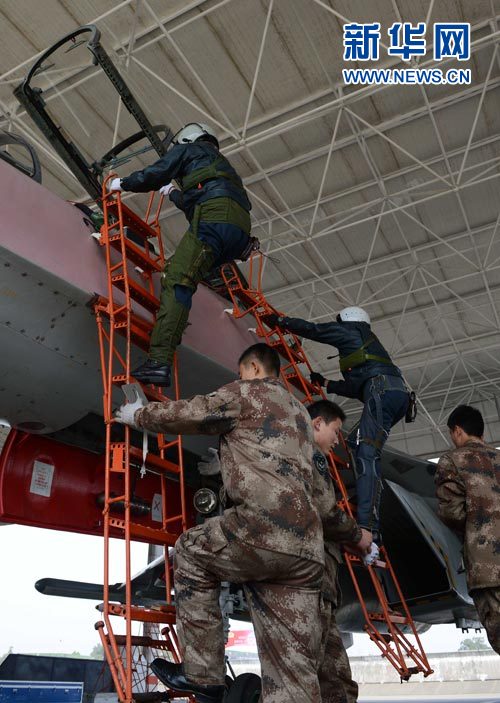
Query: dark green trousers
x=190, y=263
x=193, y=259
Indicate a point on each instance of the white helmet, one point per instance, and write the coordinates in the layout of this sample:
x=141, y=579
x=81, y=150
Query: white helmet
x=354, y=314
x=192, y=131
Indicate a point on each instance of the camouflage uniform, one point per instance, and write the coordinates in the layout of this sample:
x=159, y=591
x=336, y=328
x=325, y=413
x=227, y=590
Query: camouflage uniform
x=334, y=672
x=271, y=540
x=468, y=490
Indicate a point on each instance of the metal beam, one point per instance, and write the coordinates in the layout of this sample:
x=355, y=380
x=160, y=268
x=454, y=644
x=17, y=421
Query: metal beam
x=346, y=99
x=349, y=140
x=386, y=258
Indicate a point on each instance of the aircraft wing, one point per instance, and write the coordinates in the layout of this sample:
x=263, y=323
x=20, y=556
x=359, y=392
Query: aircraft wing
x=415, y=475
x=443, y=542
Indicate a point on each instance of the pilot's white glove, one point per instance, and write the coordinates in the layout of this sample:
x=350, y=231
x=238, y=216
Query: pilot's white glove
x=210, y=463
x=115, y=184
x=372, y=556
x=125, y=413
x=166, y=190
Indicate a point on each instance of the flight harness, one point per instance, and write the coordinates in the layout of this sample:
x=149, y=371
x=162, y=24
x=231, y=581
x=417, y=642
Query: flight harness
x=361, y=355
x=237, y=215
x=206, y=173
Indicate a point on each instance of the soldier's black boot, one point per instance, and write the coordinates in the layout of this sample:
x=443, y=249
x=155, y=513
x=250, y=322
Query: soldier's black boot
x=152, y=371
x=172, y=675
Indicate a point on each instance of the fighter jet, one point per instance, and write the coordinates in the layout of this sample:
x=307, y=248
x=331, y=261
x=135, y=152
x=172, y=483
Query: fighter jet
x=52, y=466
x=51, y=395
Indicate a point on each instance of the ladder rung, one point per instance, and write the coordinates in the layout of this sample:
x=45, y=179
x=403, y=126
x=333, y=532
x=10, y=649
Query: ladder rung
x=130, y=219
x=169, y=443
x=151, y=393
x=138, y=335
x=137, y=292
x=121, y=316
x=135, y=254
x=392, y=617
x=302, y=386
x=152, y=460
x=150, y=534
x=140, y=339
x=138, y=641
x=164, y=615
x=140, y=329
x=139, y=322
x=155, y=461
x=286, y=351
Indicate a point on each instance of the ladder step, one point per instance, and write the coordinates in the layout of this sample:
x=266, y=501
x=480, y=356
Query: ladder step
x=165, y=614
x=152, y=394
x=140, y=329
x=130, y=219
x=295, y=381
x=136, y=321
x=137, y=292
x=392, y=617
x=286, y=351
x=150, y=534
x=156, y=462
x=138, y=335
x=139, y=338
x=153, y=461
x=138, y=641
x=249, y=300
x=136, y=254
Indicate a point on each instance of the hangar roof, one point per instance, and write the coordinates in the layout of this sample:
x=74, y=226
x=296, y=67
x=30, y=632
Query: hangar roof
x=381, y=196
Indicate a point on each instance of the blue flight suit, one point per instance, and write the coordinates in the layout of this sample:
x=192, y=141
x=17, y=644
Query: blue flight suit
x=378, y=384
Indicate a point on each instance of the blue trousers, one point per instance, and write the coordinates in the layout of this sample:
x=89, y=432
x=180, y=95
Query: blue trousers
x=385, y=403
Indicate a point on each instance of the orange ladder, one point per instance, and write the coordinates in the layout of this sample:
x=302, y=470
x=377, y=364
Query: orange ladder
x=384, y=626
x=132, y=260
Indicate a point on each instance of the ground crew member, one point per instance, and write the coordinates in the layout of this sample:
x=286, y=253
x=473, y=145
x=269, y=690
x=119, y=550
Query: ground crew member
x=216, y=205
x=371, y=377
x=468, y=490
x=270, y=540
x=334, y=672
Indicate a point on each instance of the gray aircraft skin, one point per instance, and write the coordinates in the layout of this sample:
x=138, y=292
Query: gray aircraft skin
x=52, y=268
x=50, y=384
